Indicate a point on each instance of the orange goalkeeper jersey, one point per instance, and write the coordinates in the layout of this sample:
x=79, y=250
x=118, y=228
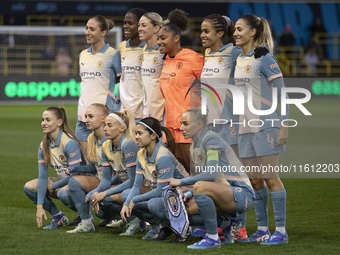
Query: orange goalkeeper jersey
x=177, y=75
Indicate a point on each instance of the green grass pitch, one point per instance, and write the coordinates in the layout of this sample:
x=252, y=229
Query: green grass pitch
x=313, y=207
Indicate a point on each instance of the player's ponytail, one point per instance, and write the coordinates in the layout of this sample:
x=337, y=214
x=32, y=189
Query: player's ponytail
x=263, y=35
x=170, y=141
x=104, y=23
x=266, y=38
x=153, y=126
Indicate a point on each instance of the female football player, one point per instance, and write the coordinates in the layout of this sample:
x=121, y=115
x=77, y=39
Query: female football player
x=131, y=54
x=181, y=67
x=80, y=185
x=258, y=74
x=99, y=69
x=153, y=103
x=218, y=179
x=61, y=150
x=217, y=35
x=156, y=165
x=119, y=154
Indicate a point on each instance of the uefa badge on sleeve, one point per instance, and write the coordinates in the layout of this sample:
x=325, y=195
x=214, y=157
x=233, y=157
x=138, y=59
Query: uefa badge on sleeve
x=175, y=211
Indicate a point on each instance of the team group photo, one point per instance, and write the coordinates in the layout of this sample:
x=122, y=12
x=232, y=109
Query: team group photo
x=170, y=128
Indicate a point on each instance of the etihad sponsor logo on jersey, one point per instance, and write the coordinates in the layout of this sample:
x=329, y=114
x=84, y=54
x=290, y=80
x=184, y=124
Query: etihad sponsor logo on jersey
x=211, y=70
x=241, y=80
x=129, y=68
x=168, y=74
x=90, y=74
x=152, y=184
x=60, y=169
x=122, y=174
x=148, y=70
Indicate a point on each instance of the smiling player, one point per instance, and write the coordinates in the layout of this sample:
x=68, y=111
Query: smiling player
x=131, y=54
x=100, y=69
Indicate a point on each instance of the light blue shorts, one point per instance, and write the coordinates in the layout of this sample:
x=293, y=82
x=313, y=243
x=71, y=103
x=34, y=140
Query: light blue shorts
x=258, y=144
x=228, y=133
x=81, y=131
x=244, y=198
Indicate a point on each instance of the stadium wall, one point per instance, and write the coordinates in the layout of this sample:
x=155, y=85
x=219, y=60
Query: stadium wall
x=299, y=15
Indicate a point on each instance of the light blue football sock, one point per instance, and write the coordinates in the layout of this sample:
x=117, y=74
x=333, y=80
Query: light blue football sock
x=78, y=196
x=261, y=207
x=206, y=209
x=279, y=207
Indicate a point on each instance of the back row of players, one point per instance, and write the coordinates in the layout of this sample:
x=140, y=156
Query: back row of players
x=155, y=75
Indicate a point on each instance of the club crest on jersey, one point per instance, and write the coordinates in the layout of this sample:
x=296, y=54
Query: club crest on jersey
x=200, y=158
x=140, y=58
x=247, y=69
x=219, y=60
x=179, y=65
x=100, y=64
x=155, y=60
x=154, y=174
x=61, y=157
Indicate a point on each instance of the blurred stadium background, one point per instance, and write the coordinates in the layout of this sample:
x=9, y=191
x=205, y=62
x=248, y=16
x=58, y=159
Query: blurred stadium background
x=31, y=58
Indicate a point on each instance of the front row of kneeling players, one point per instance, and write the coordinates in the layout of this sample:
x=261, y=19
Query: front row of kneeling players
x=128, y=167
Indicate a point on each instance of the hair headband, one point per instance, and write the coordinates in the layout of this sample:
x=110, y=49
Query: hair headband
x=153, y=131
x=119, y=119
x=228, y=20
